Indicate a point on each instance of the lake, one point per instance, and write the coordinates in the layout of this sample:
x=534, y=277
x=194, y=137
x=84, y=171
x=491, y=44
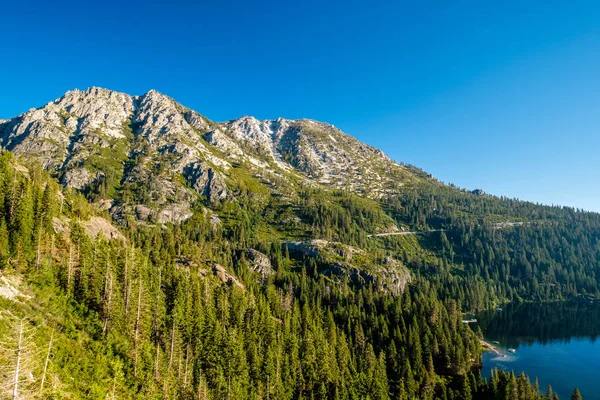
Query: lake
x=555, y=342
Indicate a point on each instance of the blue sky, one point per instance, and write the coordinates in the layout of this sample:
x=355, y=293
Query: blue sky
x=503, y=96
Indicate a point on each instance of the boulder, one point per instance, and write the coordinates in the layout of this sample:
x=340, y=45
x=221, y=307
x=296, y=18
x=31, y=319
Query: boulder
x=259, y=262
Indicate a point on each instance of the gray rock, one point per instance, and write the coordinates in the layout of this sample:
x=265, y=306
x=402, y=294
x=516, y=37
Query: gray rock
x=225, y=276
x=259, y=262
x=390, y=276
x=152, y=141
x=143, y=212
x=174, y=213
x=394, y=276
x=77, y=178
x=206, y=181
x=304, y=248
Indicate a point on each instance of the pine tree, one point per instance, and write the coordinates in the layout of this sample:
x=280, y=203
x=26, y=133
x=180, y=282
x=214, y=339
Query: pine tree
x=576, y=395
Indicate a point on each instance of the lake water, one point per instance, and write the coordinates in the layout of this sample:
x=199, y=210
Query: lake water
x=558, y=343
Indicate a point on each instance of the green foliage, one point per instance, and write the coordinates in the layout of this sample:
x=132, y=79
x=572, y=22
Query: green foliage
x=509, y=249
x=147, y=318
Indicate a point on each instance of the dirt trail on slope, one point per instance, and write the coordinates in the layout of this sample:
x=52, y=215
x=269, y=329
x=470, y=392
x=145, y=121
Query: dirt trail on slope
x=407, y=233
x=499, y=225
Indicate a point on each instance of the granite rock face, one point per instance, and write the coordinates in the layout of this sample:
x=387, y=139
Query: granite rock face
x=259, y=262
x=166, y=155
x=226, y=276
x=337, y=259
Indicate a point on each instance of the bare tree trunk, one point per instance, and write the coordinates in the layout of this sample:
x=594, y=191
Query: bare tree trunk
x=15, y=395
x=52, y=252
x=185, y=373
x=179, y=365
x=156, y=361
x=69, y=268
x=107, y=298
x=172, y=345
x=11, y=211
x=137, y=328
x=127, y=283
x=46, y=363
x=38, y=257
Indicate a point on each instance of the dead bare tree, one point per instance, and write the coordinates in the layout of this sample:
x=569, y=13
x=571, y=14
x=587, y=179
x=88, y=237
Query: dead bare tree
x=46, y=362
x=19, y=357
x=108, y=297
x=136, y=335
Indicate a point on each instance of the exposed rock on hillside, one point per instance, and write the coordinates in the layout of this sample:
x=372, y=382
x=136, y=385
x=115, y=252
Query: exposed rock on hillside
x=206, y=181
x=9, y=288
x=259, y=262
x=339, y=259
x=225, y=276
x=94, y=227
x=162, y=153
x=395, y=276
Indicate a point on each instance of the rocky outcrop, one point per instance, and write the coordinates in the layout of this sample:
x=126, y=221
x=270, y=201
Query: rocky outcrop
x=89, y=137
x=309, y=249
x=323, y=250
x=227, y=145
x=337, y=259
x=321, y=152
x=391, y=280
x=259, y=262
x=68, y=130
x=94, y=228
x=9, y=288
x=100, y=226
x=174, y=213
x=77, y=178
x=206, y=181
x=394, y=276
x=102, y=141
x=225, y=276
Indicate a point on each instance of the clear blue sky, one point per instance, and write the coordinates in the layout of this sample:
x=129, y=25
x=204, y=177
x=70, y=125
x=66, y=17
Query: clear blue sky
x=498, y=95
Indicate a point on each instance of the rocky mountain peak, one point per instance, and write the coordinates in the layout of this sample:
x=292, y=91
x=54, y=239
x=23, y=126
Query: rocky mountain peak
x=101, y=141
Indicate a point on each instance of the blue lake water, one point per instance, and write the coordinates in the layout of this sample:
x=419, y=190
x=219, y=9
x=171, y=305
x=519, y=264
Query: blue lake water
x=558, y=343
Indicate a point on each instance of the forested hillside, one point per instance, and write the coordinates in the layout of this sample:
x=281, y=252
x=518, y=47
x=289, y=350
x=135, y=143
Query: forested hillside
x=148, y=252
x=183, y=313
x=504, y=249
x=145, y=316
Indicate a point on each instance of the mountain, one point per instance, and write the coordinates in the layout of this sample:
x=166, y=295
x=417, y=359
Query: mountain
x=187, y=311
x=148, y=160
x=100, y=141
x=148, y=252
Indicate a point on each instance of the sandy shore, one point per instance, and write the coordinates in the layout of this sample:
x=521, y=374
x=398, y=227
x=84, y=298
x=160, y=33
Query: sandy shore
x=490, y=347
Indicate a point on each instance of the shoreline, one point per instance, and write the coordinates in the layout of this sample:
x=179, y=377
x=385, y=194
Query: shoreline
x=489, y=347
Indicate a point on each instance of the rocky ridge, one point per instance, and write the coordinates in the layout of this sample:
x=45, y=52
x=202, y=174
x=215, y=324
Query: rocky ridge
x=100, y=141
x=338, y=259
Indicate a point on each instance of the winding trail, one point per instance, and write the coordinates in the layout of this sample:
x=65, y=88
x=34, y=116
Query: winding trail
x=499, y=225
x=406, y=233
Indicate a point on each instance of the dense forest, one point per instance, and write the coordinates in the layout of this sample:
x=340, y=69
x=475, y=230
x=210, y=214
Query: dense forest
x=511, y=249
x=178, y=311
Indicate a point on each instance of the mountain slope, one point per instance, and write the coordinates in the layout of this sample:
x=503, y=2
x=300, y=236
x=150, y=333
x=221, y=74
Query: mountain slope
x=99, y=141
x=255, y=259
x=184, y=312
x=149, y=160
